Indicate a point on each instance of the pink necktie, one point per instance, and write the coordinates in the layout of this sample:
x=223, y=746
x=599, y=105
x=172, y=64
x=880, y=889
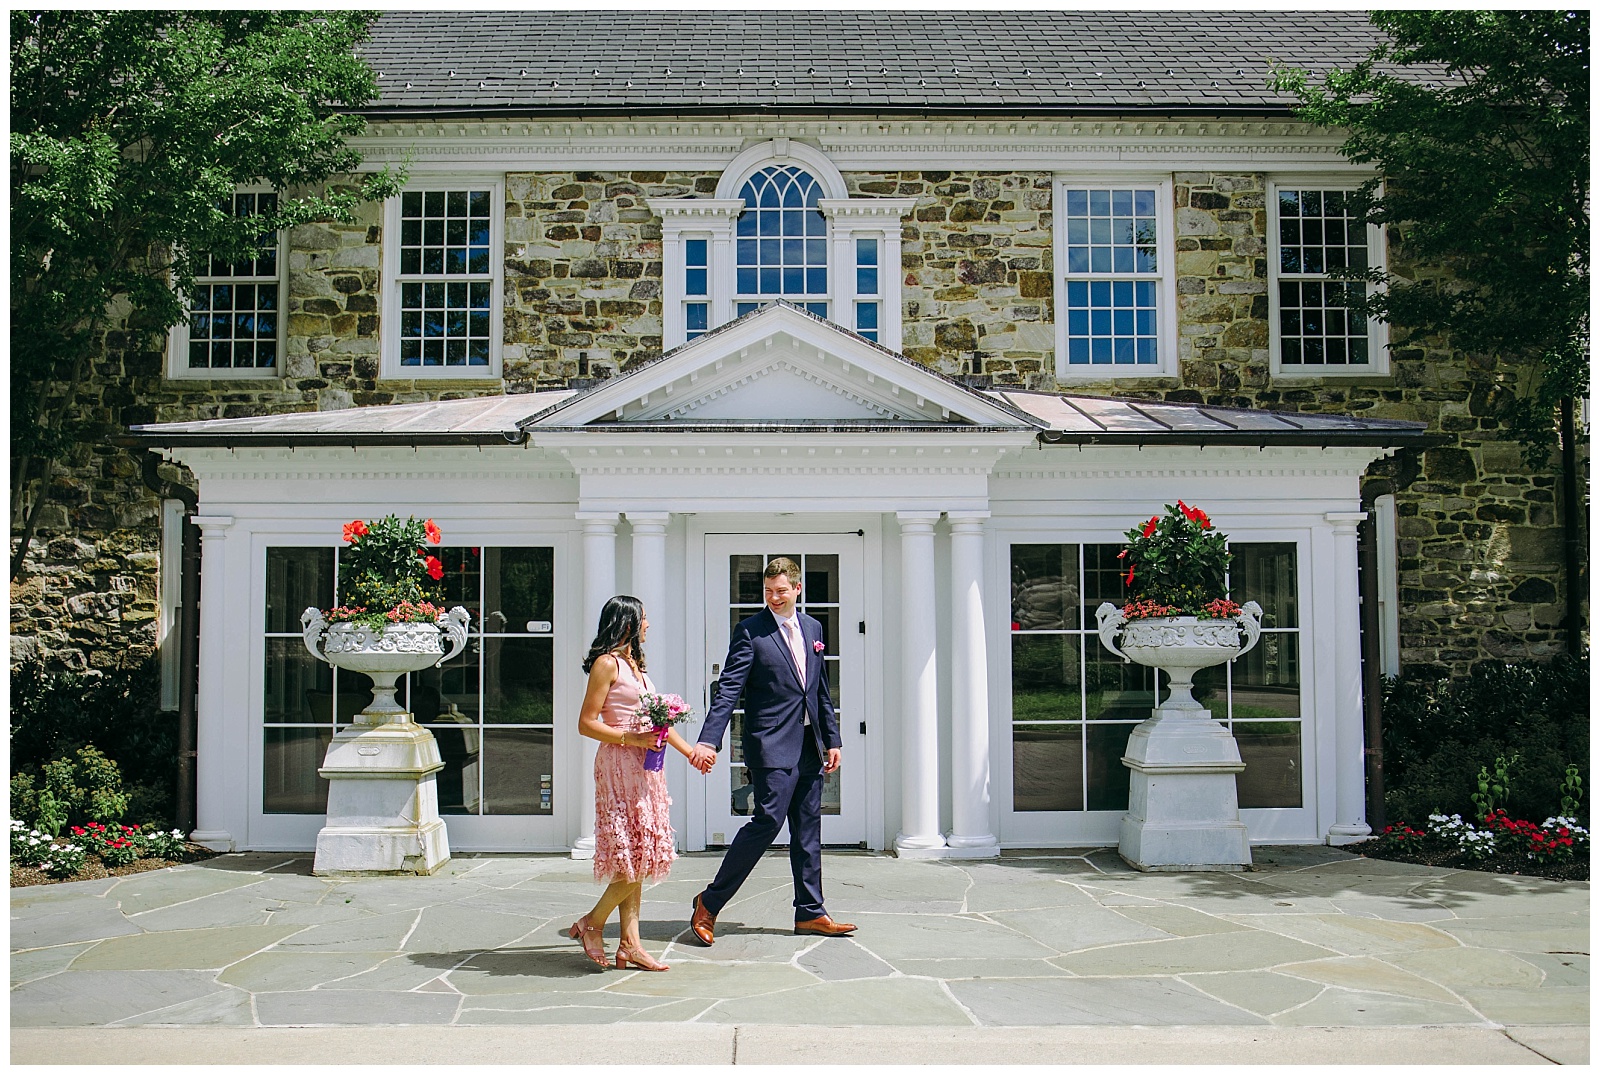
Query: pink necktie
x=791, y=628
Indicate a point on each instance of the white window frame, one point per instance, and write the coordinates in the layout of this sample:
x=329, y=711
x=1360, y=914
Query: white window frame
x=1377, y=331
x=1166, y=278
x=715, y=219
x=178, y=336
x=389, y=323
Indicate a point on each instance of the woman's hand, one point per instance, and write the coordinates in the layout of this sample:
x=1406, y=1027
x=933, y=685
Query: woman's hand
x=639, y=739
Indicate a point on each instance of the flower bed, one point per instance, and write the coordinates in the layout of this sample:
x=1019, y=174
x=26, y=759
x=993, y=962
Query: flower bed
x=94, y=850
x=1557, y=849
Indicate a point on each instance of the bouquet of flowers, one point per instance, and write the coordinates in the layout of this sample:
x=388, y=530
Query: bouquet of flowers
x=659, y=712
x=1176, y=565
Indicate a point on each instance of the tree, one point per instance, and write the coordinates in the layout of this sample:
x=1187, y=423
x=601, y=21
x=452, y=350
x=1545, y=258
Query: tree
x=130, y=131
x=1478, y=123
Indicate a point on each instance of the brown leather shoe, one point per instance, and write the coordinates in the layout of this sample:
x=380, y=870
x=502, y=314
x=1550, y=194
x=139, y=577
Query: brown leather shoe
x=824, y=927
x=702, y=923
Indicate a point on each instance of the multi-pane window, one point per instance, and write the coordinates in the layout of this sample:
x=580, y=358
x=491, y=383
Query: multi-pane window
x=1112, y=278
x=1317, y=235
x=868, y=304
x=696, y=287
x=489, y=709
x=446, y=278
x=781, y=242
x=1074, y=702
x=233, y=310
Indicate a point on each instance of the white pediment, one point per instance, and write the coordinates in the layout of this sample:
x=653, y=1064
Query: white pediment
x=781, y=365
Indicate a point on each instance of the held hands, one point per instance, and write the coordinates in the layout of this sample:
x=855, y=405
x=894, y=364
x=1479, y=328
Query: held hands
x=702, y=757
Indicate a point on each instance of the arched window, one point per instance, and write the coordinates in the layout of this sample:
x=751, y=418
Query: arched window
x=781, y=241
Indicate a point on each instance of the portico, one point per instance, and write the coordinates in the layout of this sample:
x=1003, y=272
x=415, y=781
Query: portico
x=949, y=534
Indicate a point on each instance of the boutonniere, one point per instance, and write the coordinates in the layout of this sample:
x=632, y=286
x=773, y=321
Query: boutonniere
x=817, y=647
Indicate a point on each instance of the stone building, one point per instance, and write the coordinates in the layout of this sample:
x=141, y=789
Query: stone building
x=1078, y=207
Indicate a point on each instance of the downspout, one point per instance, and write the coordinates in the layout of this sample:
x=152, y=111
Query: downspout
x=1371, y=658
x=188, y=634
x=1572, y=544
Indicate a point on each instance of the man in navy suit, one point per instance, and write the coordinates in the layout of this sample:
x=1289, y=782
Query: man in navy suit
x=791, y=742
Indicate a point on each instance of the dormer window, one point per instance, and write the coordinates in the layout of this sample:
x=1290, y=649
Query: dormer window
x=781, y=227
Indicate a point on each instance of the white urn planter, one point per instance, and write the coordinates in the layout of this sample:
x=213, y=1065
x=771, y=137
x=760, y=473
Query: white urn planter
x=383, y=805
x=1183, y=800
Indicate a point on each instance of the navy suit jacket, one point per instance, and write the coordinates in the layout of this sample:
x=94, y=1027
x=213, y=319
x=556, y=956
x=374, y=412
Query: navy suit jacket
x=775, y=704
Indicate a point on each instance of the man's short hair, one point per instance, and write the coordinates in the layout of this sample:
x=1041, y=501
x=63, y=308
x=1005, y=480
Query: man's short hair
x=782, y=565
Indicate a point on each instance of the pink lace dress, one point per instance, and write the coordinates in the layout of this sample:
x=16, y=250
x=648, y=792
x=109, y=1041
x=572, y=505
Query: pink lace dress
x=632, y=827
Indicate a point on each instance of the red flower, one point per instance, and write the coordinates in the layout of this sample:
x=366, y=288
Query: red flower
x=1127, y=580
x=1195, y=515
x=1150, y=527
x=353, y=530
x=1015, y=626
x=431, y=529
x=435, y=568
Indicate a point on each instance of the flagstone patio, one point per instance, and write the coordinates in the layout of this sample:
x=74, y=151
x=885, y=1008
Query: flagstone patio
x=1313, y=937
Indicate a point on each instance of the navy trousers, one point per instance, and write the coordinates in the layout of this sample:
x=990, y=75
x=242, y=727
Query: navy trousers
x=794, y=795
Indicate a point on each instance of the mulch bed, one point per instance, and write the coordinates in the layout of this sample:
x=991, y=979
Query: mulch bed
x=94, y=869
x=1422, y=855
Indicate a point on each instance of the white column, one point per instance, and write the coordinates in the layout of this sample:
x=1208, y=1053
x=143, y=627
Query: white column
x=599, y=586
x=970, y=835
x=919, y=700
x=213, y=789
x=1349, y=770
x=890, y=274
x=650, y=566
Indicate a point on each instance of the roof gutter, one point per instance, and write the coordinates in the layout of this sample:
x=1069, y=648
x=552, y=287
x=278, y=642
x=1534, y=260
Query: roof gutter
x=497, y=438
x=1303, y=439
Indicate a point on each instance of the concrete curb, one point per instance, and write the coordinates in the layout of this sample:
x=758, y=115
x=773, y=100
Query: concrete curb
x=712, y=1044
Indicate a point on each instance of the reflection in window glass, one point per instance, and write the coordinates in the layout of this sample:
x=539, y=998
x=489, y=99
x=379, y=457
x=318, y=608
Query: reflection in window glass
x=1074, y=703
x=503, y=678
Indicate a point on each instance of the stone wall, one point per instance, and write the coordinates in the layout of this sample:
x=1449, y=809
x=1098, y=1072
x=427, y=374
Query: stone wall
x=1479, y=537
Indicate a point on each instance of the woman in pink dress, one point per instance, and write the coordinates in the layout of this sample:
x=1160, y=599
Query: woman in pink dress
x=632, y=831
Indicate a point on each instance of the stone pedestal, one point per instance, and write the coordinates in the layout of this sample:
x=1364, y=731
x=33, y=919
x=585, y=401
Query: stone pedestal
x=1183, y=803
x=383, y=805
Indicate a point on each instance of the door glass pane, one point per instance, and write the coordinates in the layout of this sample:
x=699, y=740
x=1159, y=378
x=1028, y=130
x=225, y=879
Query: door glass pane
x=297, y=688
x=460, y=747
x=352, y=692
x=1044, y=587
x=829, y=618
x=297, y=579
x=1044, y=678
x=821, y=573
x=1103, y=576
x=1271, y=754
x=462, y=568
x=1266, y=681
x=1117, y=691
x=518, y=768
x=1108, y=777
x=517, y=680
x=290, y=760
x=1047, y=767
x=1264, y=572
x=518, y=587
x=744, y=579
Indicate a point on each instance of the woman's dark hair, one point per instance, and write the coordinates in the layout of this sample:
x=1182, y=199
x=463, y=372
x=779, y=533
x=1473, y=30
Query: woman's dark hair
x=620, y=622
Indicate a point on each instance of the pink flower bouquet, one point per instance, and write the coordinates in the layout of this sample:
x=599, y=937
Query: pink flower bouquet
x=660, y=712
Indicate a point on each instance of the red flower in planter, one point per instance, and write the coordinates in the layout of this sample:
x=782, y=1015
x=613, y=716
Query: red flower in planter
x=1127, y=580
x=435, y=568
x=430, y=528
x=353, y=530
x=1150, y=527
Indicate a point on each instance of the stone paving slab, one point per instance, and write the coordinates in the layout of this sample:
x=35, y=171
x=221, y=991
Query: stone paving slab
x=1312, y=937
x=703, y=1044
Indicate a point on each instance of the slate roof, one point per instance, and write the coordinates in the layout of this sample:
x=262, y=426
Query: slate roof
x=879, y=62
x=1066, y=418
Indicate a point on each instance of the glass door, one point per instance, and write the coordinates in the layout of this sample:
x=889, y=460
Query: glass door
x=831, y=592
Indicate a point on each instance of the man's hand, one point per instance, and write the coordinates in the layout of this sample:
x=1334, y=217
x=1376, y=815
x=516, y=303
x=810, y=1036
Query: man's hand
x=832, y=764
x=702, y=757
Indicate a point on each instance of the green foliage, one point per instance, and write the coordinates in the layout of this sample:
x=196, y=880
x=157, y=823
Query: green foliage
x=1178, y=559
x=1478, y=122
x=130, y=130
x=1494, y=789
x=70, y=791
x=386, y=564
x=1571, y=792
x=118, y=711
x=1439, y=734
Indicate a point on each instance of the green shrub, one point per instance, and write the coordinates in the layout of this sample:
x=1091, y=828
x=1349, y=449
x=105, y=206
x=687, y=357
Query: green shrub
x=1438, y=735
x=54, y=714
x=72, y=791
